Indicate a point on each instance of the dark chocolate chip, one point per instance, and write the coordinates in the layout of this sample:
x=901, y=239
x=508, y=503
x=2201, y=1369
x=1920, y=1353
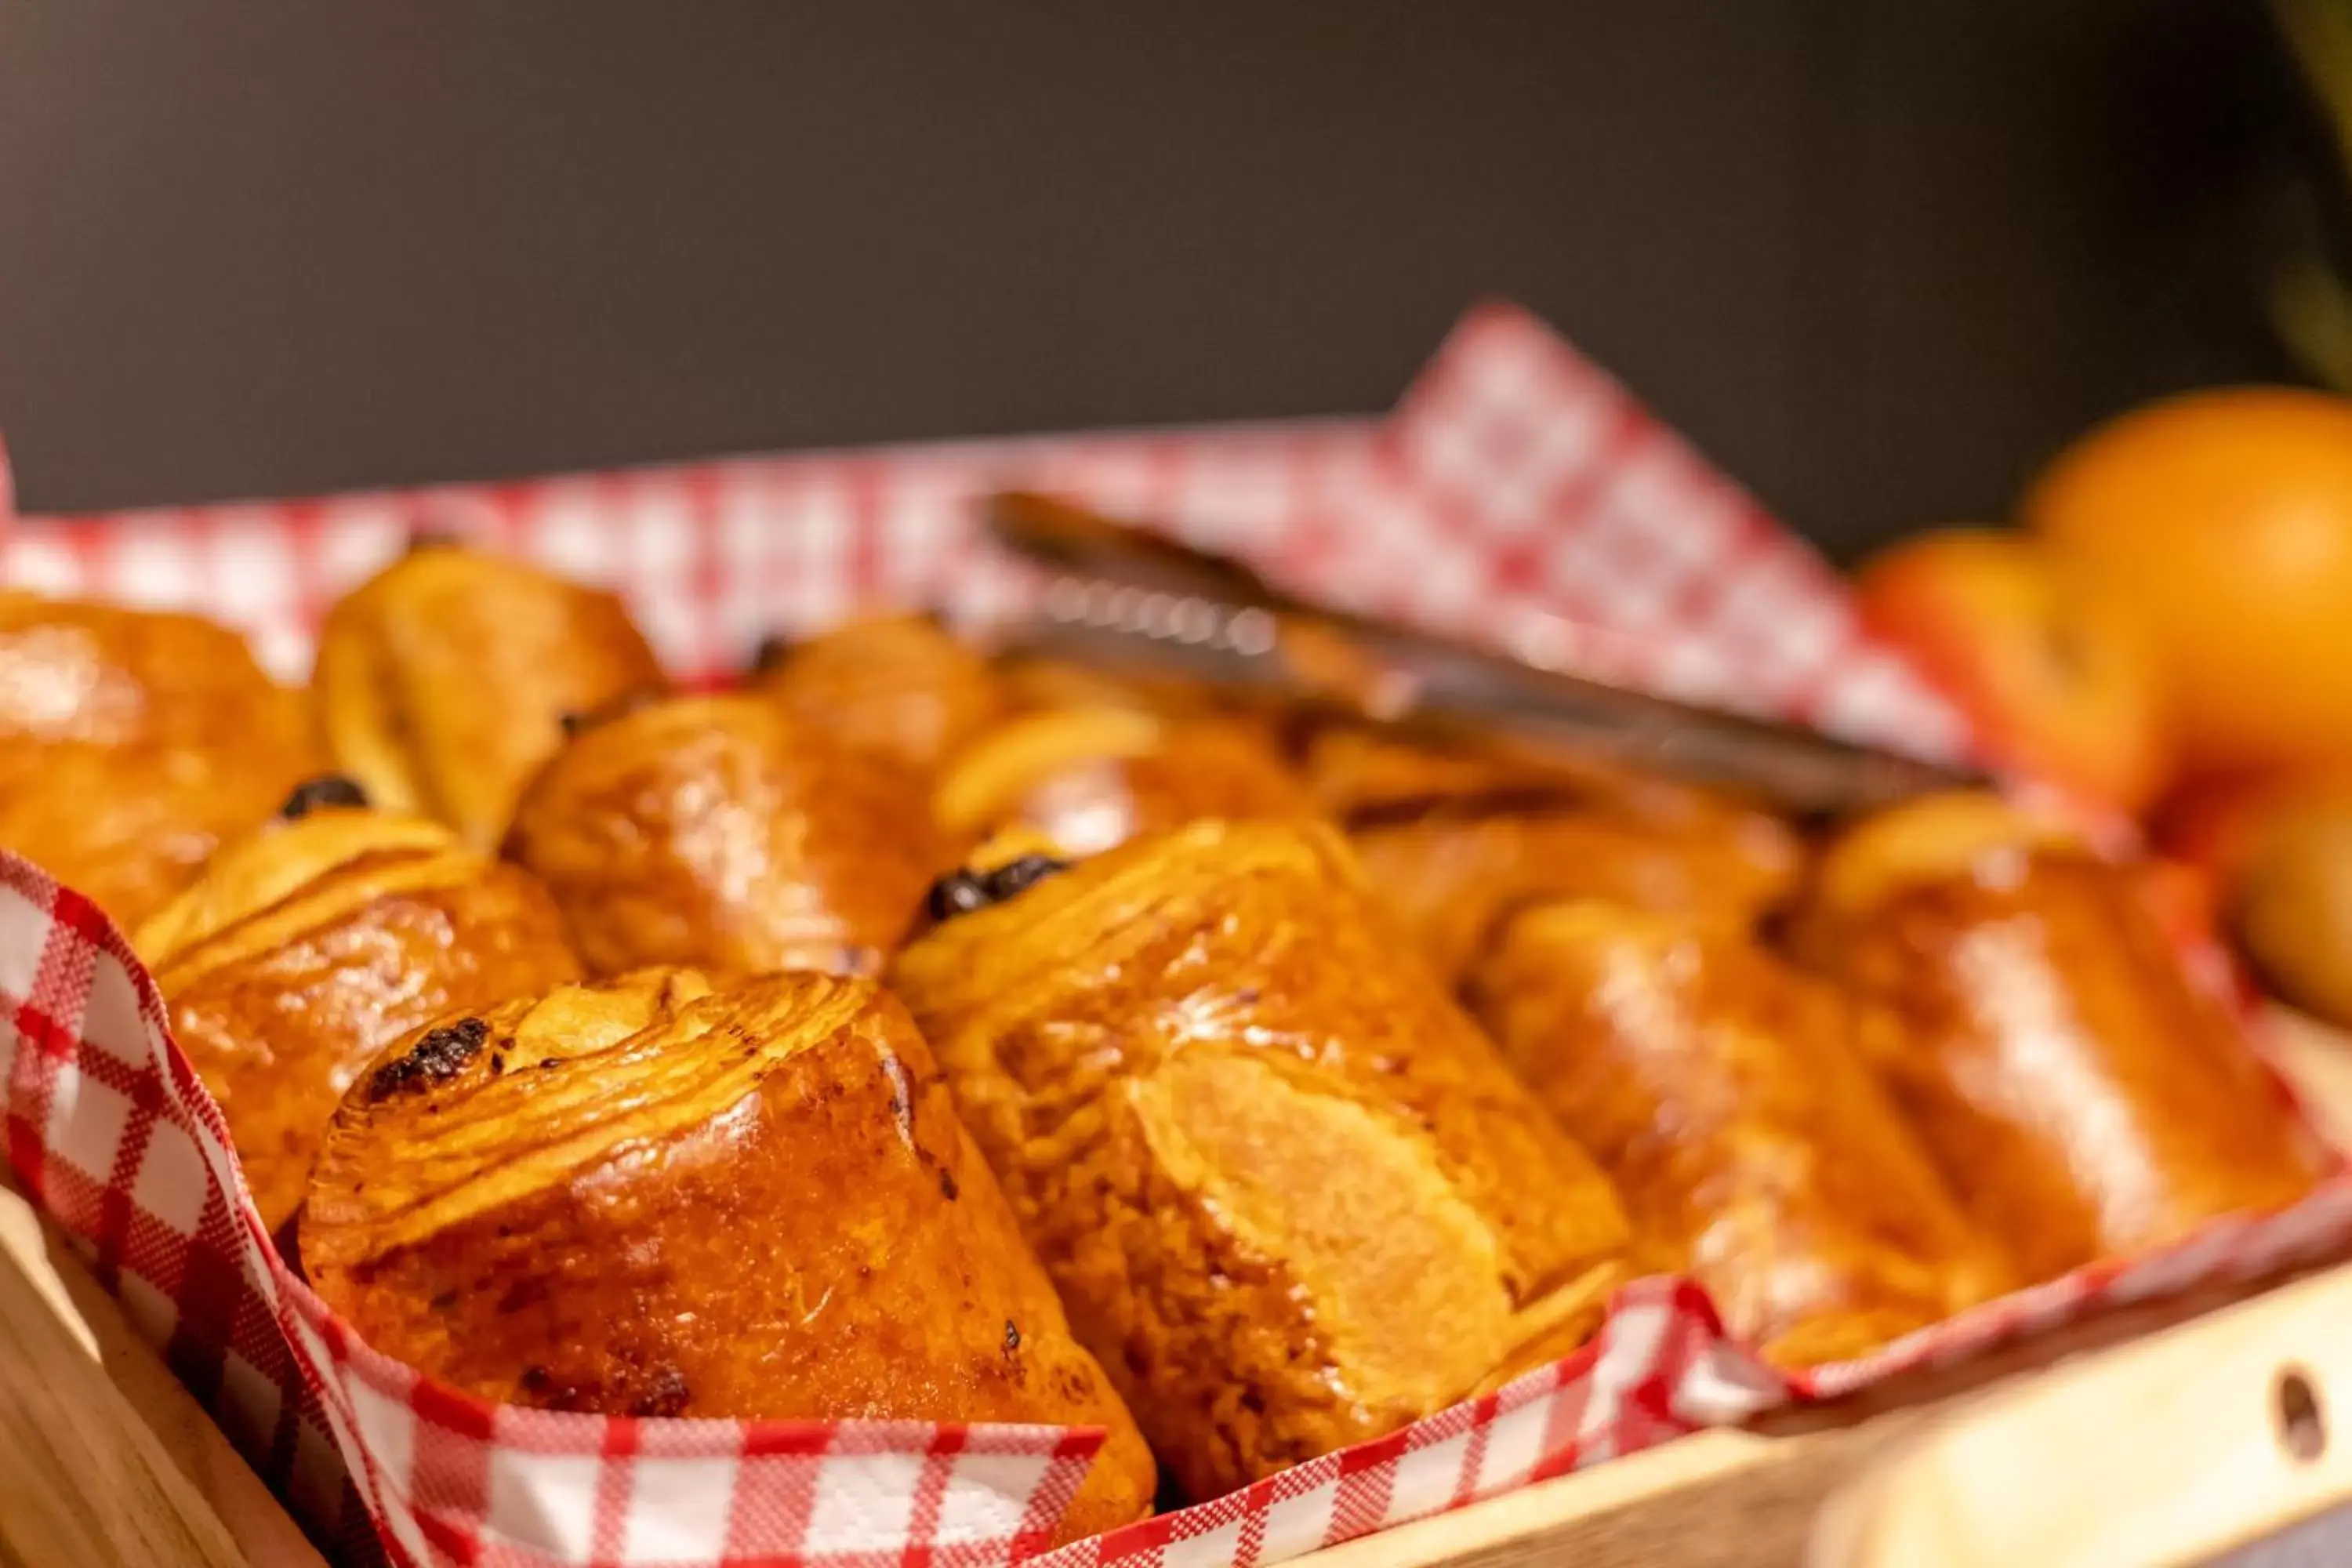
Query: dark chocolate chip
x=773, y=650
x=1017, y=877
x=327, y=789
x=956, y=894
x=1011, y=1336
x=441, y=1055
x=579, y=718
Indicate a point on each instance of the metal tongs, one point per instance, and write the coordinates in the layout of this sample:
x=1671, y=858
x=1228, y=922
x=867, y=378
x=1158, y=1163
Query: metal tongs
x=1123, y=596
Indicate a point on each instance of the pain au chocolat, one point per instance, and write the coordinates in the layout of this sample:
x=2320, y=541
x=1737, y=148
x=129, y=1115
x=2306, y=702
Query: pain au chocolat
x=1730, y=1096
x=650, y=1197
x=309, y=945
x=900, y=687
x=444, y=679
x=721, y=831
x=132, y=742
x=1290, y=1194
x=1091, y=776
x=2085, y=1098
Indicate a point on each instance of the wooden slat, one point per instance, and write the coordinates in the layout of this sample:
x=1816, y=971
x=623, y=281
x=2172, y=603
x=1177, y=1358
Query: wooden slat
x=104, y=1459
x=2169, y=1450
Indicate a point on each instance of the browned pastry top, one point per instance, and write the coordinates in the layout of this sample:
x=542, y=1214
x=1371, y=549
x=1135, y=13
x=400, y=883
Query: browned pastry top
x=97, y=674
x=897, y=686
x=653, y=1197
x=445, y=679
x=1090, y=777
x=132, y=742
x=1728, y=1096
x=1291, y=1194
x=1030, y=681
x=1454, y=878
x=2083, y=1097
x=719, y=831
x=309, y=945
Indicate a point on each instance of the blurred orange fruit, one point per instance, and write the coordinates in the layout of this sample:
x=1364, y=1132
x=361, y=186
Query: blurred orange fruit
x=2058, y=684
x=2223, y=521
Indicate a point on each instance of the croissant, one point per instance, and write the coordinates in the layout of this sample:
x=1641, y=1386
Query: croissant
x=650, y=1197
x=1090, y=777
x=132, y=742
x=2086, y=1100
x=445, y=679
x=897, y=686
x=1729, y=1098
x=1290, y=1194
x=721, y=832
x=309, y=945
x=1451, y=879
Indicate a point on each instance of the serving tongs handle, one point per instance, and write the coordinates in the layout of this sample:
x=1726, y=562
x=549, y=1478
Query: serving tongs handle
x=1123, y=595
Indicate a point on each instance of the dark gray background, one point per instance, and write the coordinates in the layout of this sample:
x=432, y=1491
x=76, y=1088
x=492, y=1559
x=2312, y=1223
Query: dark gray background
x=1879, y=258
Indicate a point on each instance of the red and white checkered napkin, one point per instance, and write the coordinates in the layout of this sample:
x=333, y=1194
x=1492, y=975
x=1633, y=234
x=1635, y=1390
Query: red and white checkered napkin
x=1518, y=494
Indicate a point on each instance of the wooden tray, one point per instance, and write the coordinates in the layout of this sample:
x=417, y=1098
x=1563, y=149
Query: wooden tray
x=2164, y=1434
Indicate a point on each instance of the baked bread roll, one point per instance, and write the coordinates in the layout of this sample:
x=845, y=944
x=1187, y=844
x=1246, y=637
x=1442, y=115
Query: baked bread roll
x=309, y=945
x=721, y=832
x=2086, y=1100
x=1451, y=879
x=132, y=742
x=445, y=679
x=900, y=687
x=1291, y=1197
x=100, y=675
x=1091, y=777
x=647, y=1197
x=1729, y=1097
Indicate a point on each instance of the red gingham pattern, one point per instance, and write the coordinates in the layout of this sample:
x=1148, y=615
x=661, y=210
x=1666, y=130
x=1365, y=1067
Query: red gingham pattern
x=1518, y=494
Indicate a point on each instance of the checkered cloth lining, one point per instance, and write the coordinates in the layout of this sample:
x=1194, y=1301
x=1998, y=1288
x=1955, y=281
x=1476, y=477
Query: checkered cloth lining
x=1517, y=489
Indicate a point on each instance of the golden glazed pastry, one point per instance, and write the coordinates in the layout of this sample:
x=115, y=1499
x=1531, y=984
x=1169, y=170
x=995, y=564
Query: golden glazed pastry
x=1454, y=878
x=132, y=742
x=103, y=675
x=2085, y=1099
x=648, y=1197
x=308, y=946
x=897, y=686
x=721, y=832
x=1356, y=771
x=1729, y=1098
x=445, y=679
x=1091, y=777
x=1290, y=1194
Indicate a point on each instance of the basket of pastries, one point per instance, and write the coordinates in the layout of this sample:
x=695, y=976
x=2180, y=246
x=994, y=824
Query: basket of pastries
x=591, y=1027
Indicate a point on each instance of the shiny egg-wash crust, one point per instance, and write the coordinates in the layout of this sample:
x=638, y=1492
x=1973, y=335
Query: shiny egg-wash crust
x=721, y=832
x=1730, y=1098
x=1084, y=778
x=309, y=947
x=443, y=680
x=900, y=688
x=1291, y=1197
x=133, y=742
x=2084, y=1097
x=646, y=1197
